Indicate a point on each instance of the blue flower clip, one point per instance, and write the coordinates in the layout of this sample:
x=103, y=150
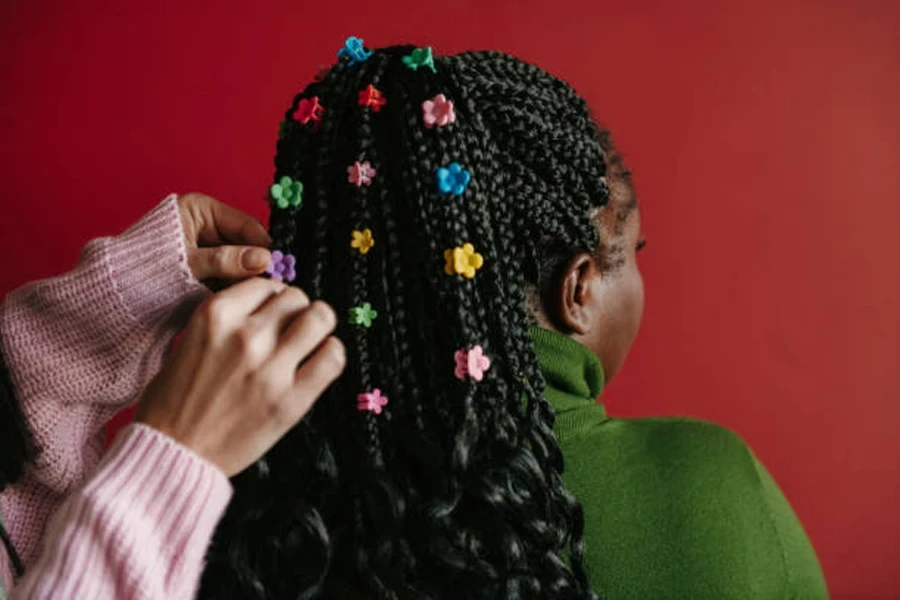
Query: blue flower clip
x=453, y=179
x=354, y=49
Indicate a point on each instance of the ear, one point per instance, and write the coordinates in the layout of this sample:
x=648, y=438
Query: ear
x=573, y=311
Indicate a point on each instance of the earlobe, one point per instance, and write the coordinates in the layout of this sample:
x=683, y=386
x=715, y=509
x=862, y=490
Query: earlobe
x=573, y=310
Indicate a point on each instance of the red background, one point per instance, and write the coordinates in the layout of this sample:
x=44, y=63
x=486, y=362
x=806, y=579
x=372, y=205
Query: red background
x=764, y=140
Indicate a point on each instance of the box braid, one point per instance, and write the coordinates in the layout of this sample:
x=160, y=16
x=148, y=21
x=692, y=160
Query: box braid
x=454, y=490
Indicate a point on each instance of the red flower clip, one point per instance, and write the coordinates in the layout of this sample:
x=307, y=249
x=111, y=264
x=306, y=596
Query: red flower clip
x=372, y=97
x=308, y=110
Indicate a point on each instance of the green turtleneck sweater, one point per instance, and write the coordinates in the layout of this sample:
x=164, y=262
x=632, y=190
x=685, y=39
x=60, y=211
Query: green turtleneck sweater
x=674, y=508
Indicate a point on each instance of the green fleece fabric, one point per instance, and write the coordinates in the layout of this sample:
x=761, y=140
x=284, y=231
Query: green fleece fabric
x=674, y=508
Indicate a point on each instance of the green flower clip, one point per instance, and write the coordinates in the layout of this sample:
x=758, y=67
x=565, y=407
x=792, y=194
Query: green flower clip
x=363, y=315
x=287, y=193
x=420, y=57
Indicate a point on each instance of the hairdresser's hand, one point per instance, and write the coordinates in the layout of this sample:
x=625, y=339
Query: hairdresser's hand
x=236, y=384
x=222, y=242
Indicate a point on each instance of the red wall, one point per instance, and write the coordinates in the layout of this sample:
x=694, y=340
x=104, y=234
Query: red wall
x=764, y=140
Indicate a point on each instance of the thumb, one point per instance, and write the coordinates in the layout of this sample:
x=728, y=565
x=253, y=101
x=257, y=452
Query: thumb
x=228, y=262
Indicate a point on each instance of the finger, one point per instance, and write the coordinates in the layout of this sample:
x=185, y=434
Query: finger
x=223, y=223
x=280, y=310
x=241, y=300
x=306, y=331
x=320, y=371
x=228, y=262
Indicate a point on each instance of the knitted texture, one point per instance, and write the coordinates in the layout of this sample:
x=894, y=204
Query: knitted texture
x=674, y=507
x=82, y=346
x=152, y=506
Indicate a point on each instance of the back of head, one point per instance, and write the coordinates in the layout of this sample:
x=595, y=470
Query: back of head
x=428, y=201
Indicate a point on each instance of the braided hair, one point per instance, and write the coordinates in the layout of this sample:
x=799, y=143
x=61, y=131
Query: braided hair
x=19, y=449
x=453, y=490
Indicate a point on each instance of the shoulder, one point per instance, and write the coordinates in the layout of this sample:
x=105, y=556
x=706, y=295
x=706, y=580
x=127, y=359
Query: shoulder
x=689, y=497
x=690, y=460
x=694, y=450
x=675, y=440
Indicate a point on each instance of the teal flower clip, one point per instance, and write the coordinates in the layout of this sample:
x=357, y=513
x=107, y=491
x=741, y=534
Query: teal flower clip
x=453, y=179
x=363, y=315
x=287, y=193
x=354, y=50
x=420, y=57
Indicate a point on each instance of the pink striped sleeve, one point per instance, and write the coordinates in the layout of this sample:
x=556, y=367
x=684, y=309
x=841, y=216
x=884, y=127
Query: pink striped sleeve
x=137, y=529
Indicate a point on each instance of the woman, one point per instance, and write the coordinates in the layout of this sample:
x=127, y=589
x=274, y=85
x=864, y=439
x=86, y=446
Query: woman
x=82, y=345
x=478, y=234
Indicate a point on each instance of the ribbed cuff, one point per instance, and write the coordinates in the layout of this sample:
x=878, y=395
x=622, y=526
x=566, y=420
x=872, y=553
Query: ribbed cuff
x=139, y=528
x=149, y=268
x=155, y=476
x=149, y=483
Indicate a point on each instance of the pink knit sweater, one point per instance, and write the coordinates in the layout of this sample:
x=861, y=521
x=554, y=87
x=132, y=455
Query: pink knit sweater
x=81, y=346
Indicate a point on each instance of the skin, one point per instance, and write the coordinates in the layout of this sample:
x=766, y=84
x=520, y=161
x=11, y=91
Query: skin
x=254, y=357
x=222, y=243
x=601, y=307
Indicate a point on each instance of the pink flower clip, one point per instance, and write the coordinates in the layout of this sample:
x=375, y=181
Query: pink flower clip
x=472, y=363
x=372, y=401
x=438, y=111
x=308, y=110
x=360, y=173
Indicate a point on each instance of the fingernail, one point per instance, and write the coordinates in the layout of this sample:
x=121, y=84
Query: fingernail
x=256, y=259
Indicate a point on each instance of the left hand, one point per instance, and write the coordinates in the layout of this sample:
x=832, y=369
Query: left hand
x=222, y=242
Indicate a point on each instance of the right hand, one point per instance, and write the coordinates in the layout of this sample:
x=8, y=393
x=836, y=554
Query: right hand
x=236, y=384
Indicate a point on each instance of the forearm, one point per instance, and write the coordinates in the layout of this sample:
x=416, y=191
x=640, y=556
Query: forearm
x=138, y=528
x=82, y=345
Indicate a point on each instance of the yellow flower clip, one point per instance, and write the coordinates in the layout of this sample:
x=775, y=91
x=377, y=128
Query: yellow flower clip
x=462, y=260
x=363, y=241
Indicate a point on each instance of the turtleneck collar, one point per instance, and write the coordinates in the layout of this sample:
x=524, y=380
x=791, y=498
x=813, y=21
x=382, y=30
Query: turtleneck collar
x=574, y=379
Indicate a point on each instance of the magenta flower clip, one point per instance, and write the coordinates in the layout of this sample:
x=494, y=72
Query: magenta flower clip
x=372, y=401
x=360, y=173
x=308, y=110
x=471, y=363
x=282, y=267
x=438, y=111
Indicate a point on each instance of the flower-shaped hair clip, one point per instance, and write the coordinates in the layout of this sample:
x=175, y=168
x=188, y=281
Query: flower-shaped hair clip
x=453, y=179
x=287, y=193
x=363, y=315
x=438, y=112
x=354, y=50
x=360, y=174
x=471, y=363
x=371, y=401
x=463, y=260
x=282, y=267
x=362, y=241
x=372, y=98
x=308, y=110
x=420, y=57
